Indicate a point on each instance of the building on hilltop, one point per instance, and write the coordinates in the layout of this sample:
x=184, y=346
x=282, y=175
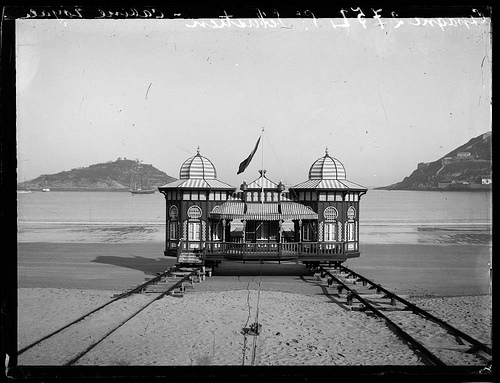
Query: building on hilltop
x=486, y=180
x=315, y=221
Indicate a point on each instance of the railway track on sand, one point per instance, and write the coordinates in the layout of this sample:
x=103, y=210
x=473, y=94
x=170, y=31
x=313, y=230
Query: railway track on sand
x=92, y=328
x=374, y=299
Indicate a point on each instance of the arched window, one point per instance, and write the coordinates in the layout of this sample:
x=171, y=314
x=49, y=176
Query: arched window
x=351, y=213
x=216, y=231
x=194, y=231
x=330, y=228
x=330, y=213
x=194, y=212
x=350, y=232
x=216, y=228
x=194, y=225
x=173, y=212
x=350, y=225
x=172, y=230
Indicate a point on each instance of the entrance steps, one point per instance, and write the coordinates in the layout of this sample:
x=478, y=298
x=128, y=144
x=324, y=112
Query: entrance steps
x=188, y=258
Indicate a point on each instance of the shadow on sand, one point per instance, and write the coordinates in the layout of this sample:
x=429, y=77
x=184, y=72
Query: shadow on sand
x=234, y=268
x=149, y=266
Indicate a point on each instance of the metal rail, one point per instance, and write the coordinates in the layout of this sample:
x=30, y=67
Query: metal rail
x=417, y=310
x=426, y=353
x=273, y=249
x=125, y=294
x=89, y=348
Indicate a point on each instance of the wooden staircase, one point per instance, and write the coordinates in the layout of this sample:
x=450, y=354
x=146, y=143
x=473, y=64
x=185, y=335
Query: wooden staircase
x=186, y=257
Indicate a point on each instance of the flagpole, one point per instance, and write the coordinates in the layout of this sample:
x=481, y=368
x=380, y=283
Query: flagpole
x=262, y=183
x=261, y=134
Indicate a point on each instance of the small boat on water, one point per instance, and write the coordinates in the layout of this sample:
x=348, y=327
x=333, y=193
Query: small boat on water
x=141, y=190
x=46, y=190
x=24, y=190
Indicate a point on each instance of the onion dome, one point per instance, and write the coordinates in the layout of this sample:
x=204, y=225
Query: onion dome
x=327, y=173
x=197, y=172
x=198, y=167
x=327, y=168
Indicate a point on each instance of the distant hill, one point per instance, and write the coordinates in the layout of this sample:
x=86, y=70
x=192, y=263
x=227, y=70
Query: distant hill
x=120, y=175
x=468, y=167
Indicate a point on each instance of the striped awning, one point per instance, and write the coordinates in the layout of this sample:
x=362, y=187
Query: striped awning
x=294, y=211
x=228, y=210
x=262, y=211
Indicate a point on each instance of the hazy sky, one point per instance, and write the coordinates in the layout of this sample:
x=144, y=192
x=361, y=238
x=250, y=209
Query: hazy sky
x=381, y=100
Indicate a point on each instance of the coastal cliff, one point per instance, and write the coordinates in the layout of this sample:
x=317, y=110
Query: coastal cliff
x=467, y=167
x=119, y=175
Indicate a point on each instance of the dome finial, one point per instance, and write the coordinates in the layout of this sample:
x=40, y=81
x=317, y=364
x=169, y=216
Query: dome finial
x=326, y=151
x=198, y=150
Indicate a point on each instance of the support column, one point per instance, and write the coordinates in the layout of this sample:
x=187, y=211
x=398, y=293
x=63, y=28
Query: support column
x=300, y=231
x=280, y=232
x=167, y=235
x=203, y=233
x=301, y=249
x=223, y=230
x=167, y=243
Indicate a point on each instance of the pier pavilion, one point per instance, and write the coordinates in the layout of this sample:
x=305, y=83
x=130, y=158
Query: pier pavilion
x=208, y=221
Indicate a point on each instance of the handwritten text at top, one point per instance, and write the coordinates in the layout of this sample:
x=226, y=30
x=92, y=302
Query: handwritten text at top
x=348, y=19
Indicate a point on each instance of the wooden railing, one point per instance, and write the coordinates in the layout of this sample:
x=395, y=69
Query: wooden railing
x=287, y=249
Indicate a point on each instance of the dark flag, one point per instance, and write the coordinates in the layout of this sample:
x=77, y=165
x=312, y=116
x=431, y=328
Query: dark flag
x=245, y=163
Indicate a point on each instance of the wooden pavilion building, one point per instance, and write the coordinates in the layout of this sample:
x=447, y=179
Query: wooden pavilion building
x=315, y=221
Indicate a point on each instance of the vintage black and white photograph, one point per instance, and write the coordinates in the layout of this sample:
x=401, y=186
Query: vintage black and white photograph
x=267, y=190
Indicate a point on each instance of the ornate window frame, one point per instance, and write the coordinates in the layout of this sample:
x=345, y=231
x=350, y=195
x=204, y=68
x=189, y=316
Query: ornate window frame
x=352, y=216
x=330, y=213
x=194, y=212
x=173, y=213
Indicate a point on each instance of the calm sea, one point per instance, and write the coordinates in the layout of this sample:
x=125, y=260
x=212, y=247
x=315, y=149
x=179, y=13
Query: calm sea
x=385, y=216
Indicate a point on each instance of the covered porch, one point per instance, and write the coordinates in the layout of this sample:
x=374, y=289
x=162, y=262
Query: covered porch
x=276, y=231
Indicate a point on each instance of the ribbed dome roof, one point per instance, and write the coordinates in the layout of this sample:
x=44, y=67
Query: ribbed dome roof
x=327, y=168
x=198, y=167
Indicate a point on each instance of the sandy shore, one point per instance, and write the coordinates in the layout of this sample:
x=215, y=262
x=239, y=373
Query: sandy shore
x=205, y=327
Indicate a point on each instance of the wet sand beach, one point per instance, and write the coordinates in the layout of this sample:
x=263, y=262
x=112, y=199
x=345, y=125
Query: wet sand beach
x=443, y=270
